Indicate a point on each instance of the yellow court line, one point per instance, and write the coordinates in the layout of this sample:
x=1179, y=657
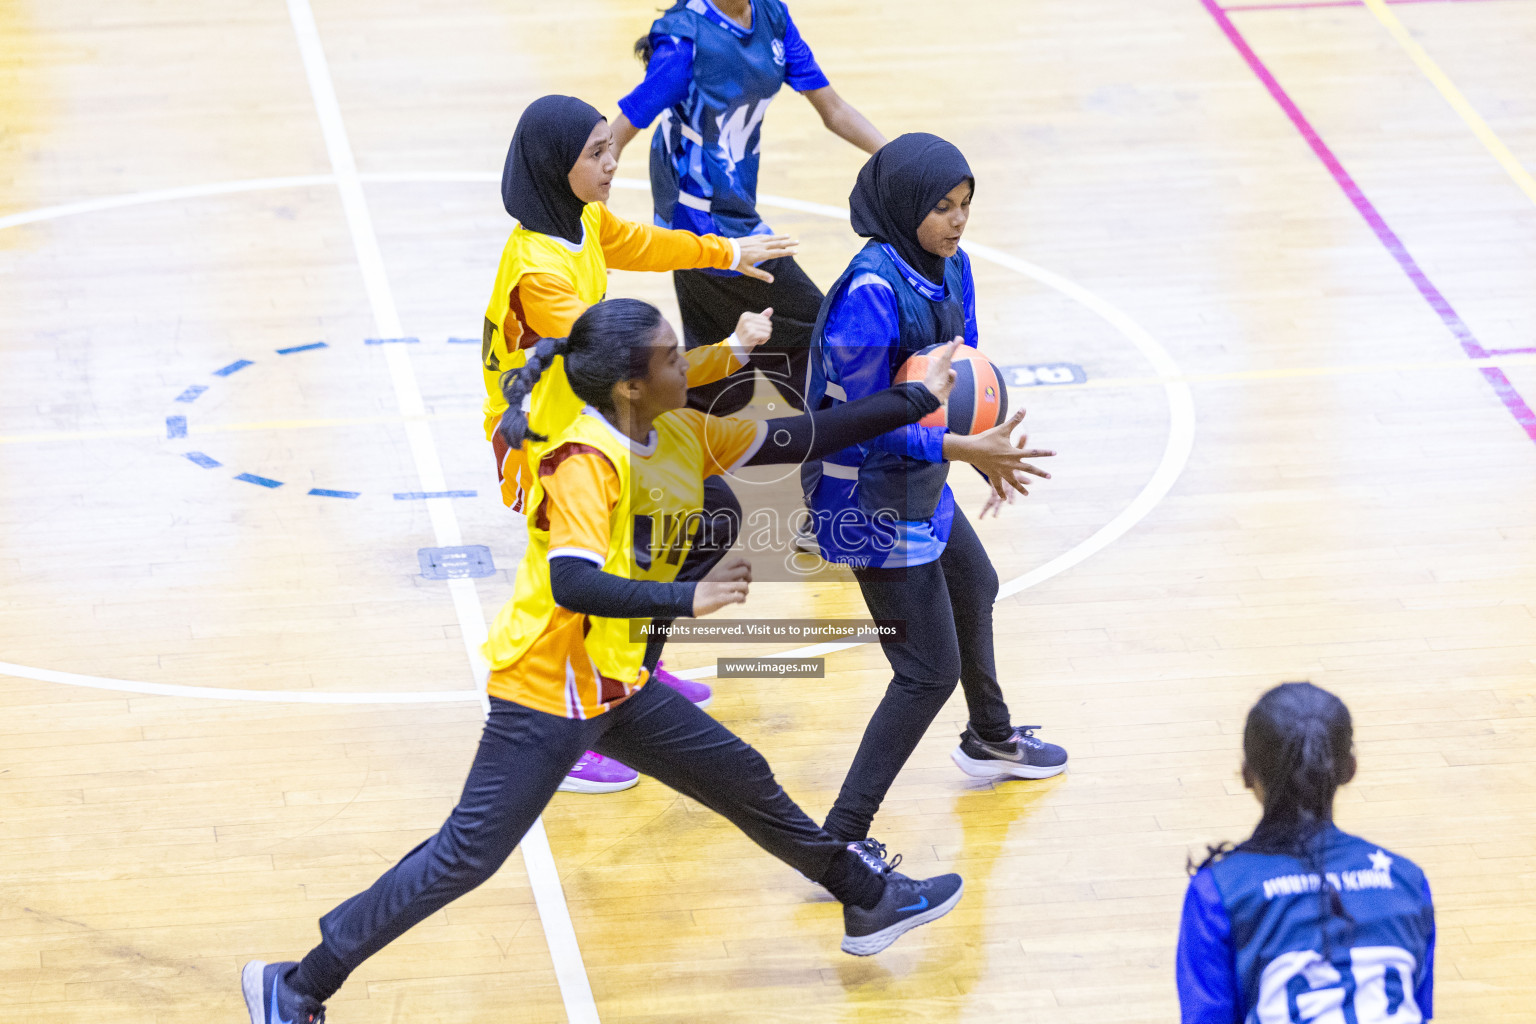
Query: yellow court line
x=1453, y=96
x=1276, y=373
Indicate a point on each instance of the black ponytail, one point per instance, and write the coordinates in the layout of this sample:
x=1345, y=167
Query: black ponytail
x=517, y=384
x=644, y=49
x=610, y=343
x=1297, y=743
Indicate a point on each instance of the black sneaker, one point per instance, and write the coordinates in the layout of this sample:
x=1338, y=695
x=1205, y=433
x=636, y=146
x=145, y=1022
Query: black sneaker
x=905, y=904
x=271, y=1002
x=1022, y=756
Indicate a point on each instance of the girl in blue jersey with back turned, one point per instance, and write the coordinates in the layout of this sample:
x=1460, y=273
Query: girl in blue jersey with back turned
x=712, y=66
x=884, y=509
x=1303, y=922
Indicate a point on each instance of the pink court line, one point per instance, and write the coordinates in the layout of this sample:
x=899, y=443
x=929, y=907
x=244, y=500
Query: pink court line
x=1297, y=5
x=1510, y=351
x=1385, y=235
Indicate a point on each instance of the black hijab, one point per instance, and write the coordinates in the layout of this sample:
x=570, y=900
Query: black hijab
x=549, y=140
x=898, y=187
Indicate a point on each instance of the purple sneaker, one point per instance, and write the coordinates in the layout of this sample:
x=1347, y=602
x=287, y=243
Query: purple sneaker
x=700, y=695
x=595, y=773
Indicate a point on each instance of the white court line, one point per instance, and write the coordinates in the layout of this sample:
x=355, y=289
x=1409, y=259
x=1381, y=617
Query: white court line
x=1181, y=419
x=1181, y=428
x=543, y=878
x=162, y=195
x=1175, y=453
x=219, y=693
x=1181, y=402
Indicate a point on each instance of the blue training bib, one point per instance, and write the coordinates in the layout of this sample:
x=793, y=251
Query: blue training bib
x=704, y=153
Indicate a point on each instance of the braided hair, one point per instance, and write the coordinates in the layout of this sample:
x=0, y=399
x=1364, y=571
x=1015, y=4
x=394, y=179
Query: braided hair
x=1297, y=744
x=609, y=343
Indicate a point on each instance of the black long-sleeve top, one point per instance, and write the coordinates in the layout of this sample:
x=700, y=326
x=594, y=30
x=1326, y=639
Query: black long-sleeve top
x=585, y=588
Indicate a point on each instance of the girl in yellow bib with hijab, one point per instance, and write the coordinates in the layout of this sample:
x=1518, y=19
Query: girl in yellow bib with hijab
x=556, y=182
x=558, y=175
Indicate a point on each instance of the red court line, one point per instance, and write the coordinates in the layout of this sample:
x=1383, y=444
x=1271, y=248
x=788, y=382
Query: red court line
x=1385, y=235
x=1296, y=5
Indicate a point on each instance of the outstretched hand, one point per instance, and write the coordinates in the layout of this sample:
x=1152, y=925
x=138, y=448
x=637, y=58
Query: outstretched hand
x=760, y=248
x=1001, y=459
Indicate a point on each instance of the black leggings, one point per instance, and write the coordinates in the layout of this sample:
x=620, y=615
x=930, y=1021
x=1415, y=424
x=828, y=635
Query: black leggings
x=947, y=607
x=523, y=756
x=711, y=304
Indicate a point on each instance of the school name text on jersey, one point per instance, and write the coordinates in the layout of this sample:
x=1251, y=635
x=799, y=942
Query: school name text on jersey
x=1377, y=876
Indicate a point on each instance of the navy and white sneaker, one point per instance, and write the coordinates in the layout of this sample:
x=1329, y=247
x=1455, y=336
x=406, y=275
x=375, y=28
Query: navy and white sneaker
x=272, y=1002
x=1023, y=755
x=905, y=904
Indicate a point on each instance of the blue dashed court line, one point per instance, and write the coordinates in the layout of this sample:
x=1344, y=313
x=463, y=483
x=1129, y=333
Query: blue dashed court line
x=176, y=426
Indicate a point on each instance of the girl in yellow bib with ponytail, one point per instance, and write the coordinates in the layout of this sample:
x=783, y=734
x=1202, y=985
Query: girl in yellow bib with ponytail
x=567, y=674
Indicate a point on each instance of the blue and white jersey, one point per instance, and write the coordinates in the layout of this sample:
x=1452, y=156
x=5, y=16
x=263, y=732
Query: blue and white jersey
x=1253, y=948
x=711, y=80
x=884, y=503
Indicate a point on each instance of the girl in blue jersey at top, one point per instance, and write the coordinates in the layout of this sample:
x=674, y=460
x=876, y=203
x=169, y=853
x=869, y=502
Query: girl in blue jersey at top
x=884, y=507
x=712, y=66
x=1304, y=922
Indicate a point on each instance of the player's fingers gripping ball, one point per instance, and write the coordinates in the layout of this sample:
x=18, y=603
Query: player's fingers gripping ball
x=979, y=401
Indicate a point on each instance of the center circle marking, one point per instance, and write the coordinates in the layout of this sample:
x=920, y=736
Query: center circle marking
x=1175, y=455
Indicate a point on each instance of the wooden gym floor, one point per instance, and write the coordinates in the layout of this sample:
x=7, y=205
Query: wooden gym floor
x=1292, y=247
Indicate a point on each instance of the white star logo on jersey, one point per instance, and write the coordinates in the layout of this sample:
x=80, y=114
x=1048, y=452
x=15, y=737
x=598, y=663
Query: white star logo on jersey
x=1380, y=861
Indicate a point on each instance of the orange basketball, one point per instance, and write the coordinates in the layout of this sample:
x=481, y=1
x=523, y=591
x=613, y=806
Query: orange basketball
x=978, y=402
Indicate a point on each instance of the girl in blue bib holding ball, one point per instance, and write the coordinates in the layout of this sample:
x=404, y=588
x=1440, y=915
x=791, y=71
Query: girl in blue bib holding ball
x=884, y=508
